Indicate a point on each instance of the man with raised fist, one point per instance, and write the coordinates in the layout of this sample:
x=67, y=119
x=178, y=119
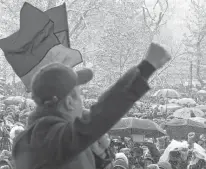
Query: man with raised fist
x=59, y=133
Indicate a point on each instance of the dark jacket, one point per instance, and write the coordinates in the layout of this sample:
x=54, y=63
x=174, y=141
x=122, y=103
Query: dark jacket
x=55, y=143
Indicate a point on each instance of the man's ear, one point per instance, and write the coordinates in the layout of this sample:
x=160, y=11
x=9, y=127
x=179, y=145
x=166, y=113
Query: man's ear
x=69, y=101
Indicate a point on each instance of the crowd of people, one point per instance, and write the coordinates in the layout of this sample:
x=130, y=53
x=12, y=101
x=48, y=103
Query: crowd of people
x=122, y=152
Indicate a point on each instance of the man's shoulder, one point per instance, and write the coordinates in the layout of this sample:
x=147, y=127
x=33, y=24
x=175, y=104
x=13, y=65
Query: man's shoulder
x=38, y=135
x=47, y=122
x=40, y=129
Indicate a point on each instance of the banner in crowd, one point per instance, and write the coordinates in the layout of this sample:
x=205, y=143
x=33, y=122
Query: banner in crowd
x=42, y=39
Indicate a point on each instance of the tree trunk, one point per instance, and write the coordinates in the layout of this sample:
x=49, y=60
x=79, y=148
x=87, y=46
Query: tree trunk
x=13, y=79
x=191, y=77
x=198, y=61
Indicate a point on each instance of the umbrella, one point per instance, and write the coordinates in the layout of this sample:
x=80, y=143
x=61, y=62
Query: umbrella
x=137, y=114
x=201, y=107
x=167, y=93
x=199, y=119
x=202, y=92
x=130, y=126
x=2, y=96
x=186, y=101
x=186, y=113
x=139, y=104
x=179, y=128
x=195, y=83
x=14, y=100
x=194, y=89
x=174, y=101
x=169, y=107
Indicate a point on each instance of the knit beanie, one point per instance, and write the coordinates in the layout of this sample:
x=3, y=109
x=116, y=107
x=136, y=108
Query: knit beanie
x=153, y=166
x=164, y=165
x=121, y=161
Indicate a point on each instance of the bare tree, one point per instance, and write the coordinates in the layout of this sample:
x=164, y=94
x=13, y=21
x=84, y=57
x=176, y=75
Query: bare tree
x=195, y=37
x=153, y=19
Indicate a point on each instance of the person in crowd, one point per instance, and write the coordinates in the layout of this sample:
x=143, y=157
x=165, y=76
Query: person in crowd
x=58, y=133
x=153, y=166
x=114, y=145
x=121, y=161
x=201, y=164
x=155, y=154
x=15, y=131
x=103, y=155
x=177, y=159
x=164, y=165
x=138, y=160
x=148, y=160
x=191, y=139
x=5, y=167
x=160, y=165
x=6, y=163
x=202, y=141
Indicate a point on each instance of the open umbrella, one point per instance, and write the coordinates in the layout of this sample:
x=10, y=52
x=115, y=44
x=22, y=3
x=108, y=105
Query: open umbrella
x=201, y=107
x=195, y=83
x=199, y=120
x=187, y=101
x=202, y=92
x=194, y=90
x=14, y=100
x=139, y=104
x=179, y=128
x=187, y=113
x=169, y=107
x=174, y=101
x=130, y=126
x=167, y=93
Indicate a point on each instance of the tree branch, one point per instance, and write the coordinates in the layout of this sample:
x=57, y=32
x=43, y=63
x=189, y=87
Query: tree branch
x=8, y=7
x=81, y=19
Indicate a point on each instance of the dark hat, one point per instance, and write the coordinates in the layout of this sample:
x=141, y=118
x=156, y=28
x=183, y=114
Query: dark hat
x=164, y=165
x=148, y=157
x=138, y=150
x=174, y=155
x=57, y=80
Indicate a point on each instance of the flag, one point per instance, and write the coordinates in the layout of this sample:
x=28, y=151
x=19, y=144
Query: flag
x=59, y=16
x=42, y=39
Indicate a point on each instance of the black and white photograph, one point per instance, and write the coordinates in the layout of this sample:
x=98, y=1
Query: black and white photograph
x=102, y=84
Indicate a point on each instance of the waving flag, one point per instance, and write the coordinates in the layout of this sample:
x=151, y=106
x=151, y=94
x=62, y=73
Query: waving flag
x=59, y=16
x=42, y=39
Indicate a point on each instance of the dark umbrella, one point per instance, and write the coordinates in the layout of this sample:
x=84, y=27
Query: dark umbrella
x=131, y=126
x=179, y=128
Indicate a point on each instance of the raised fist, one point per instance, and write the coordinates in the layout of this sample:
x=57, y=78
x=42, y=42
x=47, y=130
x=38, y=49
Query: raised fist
x=157, y=55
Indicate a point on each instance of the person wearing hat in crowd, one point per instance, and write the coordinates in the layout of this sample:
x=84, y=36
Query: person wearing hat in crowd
x=164, y=165
x=153, y=166
x=6, y=163
x=202, y=141
x=102, y=152
x=137, y=152
x=178, y=158
x=60, y=133
x=160, y=165
x=148, y=160
x=121, y=161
